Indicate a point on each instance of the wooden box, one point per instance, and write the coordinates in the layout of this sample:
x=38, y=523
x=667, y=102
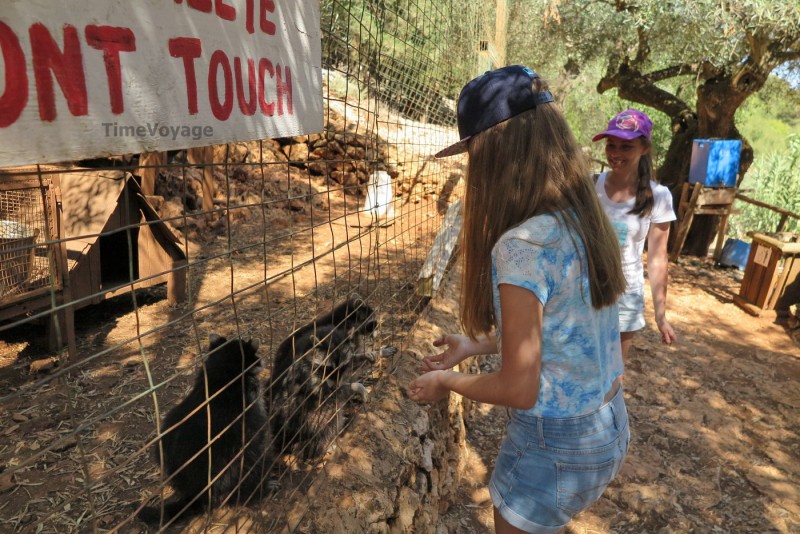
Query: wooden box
x=771, y=277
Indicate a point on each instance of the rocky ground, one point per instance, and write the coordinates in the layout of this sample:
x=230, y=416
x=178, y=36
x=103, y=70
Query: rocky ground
x=714, y=419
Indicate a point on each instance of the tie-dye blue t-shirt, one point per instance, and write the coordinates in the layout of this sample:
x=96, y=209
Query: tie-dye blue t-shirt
x=581, y=353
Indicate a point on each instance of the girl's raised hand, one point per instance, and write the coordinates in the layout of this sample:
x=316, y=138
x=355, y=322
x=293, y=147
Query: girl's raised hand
x=458, y=348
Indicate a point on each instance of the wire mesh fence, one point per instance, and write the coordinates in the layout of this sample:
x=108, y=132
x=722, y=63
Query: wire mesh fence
x=185, y=334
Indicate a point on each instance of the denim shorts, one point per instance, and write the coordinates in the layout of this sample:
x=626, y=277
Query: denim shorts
x=549, y=470
x=631, y=311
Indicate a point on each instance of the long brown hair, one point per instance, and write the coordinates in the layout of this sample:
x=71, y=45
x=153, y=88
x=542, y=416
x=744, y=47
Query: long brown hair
x=529, y=165
x=644, y=193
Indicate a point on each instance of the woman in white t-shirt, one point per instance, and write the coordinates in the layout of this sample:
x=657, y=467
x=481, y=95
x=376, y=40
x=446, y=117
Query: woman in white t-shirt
x=639, y=209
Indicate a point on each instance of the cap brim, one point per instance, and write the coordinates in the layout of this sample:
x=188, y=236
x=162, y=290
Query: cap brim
x=622, y=134
x=452, y=150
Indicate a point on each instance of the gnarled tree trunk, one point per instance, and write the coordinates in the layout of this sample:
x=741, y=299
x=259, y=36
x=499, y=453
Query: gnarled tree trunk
x=718, y=98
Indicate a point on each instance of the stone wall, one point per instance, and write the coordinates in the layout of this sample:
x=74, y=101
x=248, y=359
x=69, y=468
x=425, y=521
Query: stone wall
x=398, y=466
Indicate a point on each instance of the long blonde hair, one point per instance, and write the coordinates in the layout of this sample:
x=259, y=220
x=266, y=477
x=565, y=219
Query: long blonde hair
x=529, y=165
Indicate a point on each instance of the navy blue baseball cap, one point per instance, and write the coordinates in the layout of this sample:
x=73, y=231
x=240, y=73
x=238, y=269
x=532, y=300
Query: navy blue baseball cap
x=492, y=98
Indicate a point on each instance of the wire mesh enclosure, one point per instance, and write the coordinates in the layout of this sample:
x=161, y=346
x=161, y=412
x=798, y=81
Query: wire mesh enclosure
x=26, y=224
x=207, y=322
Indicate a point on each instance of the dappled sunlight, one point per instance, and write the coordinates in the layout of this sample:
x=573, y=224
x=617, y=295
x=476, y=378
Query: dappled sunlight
x=712, y=418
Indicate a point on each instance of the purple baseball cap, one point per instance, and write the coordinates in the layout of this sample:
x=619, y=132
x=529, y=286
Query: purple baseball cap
x=628, y=124
x=492, y=98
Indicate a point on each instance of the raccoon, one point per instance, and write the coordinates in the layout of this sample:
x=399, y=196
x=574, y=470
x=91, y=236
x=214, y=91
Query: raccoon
x=311, y=377
x=353, y=318
x=230, y=469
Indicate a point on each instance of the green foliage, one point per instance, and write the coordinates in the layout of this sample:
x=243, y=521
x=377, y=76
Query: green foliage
x=404, y=50
x=769, y=117
x=681, y=30
x=774, y=179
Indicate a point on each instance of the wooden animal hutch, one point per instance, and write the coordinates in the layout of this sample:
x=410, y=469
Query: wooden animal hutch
x=93, y=235
x=33, y=268
x=771, y=280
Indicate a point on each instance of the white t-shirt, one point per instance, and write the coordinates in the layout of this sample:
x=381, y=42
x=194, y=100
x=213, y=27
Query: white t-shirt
x=632, y=229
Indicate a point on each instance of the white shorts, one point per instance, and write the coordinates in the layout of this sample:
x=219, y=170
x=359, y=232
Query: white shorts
x=631, y=311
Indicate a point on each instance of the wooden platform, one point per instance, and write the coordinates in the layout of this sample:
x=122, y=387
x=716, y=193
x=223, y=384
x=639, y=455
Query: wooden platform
x=699, y=200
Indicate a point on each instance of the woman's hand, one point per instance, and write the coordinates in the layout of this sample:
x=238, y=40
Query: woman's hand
x=428, y=387
x=458, y=348
x=667, y=333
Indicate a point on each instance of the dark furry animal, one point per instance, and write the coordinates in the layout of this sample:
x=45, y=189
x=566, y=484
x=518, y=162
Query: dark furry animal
x=311, y=378
x=238, y=427
x=352, y=318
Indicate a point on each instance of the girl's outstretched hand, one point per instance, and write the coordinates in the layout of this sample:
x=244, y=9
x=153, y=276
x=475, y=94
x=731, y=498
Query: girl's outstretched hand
x=428, y=387
x=458, y=348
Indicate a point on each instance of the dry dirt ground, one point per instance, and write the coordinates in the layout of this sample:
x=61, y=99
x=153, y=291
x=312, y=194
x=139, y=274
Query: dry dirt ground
x=714, y=418
x=75, y=434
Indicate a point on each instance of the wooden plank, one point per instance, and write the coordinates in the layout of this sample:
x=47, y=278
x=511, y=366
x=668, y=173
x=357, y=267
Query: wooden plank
x=789, y=293
x=747, y=280
x=683, y=202
x=717, y=196
x=754, y=310
x=433, y=269
x=723, y=224
x=149, y=163
x=712, y=211
x=776, y=291
x=176, y=283
x=760, y=204
x=702, y=202
x=746, y=306
x=783, y=246
x=770, y=275
x=685, y=222
x=204, y=156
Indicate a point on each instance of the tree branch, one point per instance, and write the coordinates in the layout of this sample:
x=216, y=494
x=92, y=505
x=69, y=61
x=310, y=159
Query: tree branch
x=787, y=55
x=672, y=72
x=642, y=48
x=633, y=85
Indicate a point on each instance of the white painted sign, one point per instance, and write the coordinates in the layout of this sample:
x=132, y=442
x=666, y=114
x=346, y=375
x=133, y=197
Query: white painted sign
x=762, y=256
x=84, y=78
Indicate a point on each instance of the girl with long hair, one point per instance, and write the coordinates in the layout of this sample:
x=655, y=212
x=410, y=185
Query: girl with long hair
x=640, y=209
x=541, y=277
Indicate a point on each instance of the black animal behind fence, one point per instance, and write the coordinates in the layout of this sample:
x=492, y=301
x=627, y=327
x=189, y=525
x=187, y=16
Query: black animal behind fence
x=185, y=335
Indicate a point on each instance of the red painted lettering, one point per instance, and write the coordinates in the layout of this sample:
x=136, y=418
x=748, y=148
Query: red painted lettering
x=267, y=108
x=224, y=11
x=249, y=16
x=201, y=5
x=267, y=26
x=248, y=106
x=284, y=89
x=188, y=48
x=221, y=110
x=67, y=68
x=15, y=95
x=112, y=41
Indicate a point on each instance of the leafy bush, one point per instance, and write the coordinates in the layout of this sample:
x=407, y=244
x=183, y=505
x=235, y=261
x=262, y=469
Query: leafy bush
x=774, y=179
